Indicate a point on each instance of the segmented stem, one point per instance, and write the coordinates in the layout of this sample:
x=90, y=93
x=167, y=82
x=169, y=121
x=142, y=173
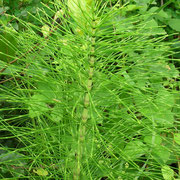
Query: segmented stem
x=86, y=104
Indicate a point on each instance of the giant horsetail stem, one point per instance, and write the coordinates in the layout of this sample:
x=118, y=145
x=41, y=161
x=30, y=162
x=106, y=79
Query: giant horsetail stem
x=79, y=9
x=86, y=104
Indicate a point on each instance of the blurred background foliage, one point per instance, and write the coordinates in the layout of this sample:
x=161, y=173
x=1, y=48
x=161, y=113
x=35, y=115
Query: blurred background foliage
x=23, y=9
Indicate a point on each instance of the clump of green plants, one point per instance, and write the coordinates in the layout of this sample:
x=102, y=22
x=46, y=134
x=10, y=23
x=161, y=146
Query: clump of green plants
x=20, y=9
x=93, y=96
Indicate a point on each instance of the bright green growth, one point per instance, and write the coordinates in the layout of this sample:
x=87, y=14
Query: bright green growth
x=101, y=102
x=82, y=14
x=41, y=172
x=174, y=24
x=167, y=172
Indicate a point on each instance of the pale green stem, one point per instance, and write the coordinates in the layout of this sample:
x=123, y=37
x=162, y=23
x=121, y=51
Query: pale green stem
x=84, y=117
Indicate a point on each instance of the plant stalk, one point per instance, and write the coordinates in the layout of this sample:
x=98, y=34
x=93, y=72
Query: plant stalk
x=85, y=112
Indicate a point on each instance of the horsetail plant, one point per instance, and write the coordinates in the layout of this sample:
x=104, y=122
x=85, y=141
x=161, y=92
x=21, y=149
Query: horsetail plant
x=90, y=93
x=79, y=9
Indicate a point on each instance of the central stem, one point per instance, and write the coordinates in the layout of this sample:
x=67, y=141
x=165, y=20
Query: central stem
x=86, y=104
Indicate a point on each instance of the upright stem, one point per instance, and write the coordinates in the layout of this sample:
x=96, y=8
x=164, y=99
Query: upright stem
x=86, y=104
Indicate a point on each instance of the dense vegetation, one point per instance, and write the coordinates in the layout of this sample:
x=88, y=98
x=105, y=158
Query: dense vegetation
x=89, y=89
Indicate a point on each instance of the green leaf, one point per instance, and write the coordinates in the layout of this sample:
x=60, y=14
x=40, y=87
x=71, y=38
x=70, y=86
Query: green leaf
x=153, y=140
x=45, y=30
x=37, y=105
x=174, y=24
x=57, y=113
x=163, y=15
x=102, y=93
x=128, y=78
x=7, y=44
x=153, y=9
x=165, y=99
x=167, y=172
x=152, y=28
x=161, y=154
x=177, y=138
x=131, y=7
x=164, y=70
x=158, y=113
x=80, y=10
x=164, y=118
x=41, y=172
x=122, y=24
x=135, y=149
x=50, y=90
